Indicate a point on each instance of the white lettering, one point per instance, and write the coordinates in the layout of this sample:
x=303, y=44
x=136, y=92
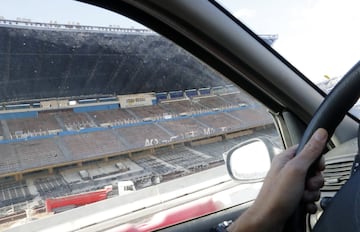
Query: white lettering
x=172, y=138
x=151, y=142
x=209, y=131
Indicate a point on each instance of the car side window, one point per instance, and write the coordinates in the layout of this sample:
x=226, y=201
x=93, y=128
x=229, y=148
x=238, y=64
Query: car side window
x=87, y=107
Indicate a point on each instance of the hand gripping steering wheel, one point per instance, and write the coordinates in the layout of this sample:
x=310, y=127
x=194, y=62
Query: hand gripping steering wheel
x=343, y=213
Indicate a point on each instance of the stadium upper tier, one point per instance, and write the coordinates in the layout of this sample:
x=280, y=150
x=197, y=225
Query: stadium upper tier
x=40, y=61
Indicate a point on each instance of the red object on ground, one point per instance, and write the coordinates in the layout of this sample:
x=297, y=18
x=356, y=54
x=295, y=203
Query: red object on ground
x=173, y=216
x=77, y=199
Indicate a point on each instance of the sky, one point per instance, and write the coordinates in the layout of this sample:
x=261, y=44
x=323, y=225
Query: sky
x=63, y=12
x=319, y=37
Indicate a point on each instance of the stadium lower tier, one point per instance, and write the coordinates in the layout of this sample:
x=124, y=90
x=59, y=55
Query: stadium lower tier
x=63, y=152
x=166, y=163
x=60, y=138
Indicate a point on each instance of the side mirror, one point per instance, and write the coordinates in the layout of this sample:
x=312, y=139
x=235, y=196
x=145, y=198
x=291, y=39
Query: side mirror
x=250, y=160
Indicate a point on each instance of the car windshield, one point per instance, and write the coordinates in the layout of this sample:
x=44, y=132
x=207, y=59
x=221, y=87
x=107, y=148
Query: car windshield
x=317, y=37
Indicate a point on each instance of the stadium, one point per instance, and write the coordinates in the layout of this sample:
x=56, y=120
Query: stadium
x=75, y=119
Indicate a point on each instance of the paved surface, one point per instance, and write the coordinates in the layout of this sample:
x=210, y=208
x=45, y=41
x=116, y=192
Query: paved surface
x=134, y=206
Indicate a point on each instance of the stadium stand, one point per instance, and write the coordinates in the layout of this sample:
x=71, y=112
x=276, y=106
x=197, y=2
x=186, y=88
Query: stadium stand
x=37, y=153
x=212, y=102
x=94, y=67
x=185, y=158
x=176, y=94
x=2, y=133
x=236, y=98
x=75, y=121
x=190, y=93
x=182, y=107
x=143, y=136
x=205, y=91
x=161, y=96
x=16, y=115
x=117, y=131
x=52, y=186
x=12, y=192
x=154, y=112
x=95, y=144
x=97, y=107
x=155, y=165
x=9, y=161
x=221, y=122
x=254, y=117
x=232, y=89
x=111, y=117
x=184, y=128
x=43, y=124
x=216, y=149
x=217, y=90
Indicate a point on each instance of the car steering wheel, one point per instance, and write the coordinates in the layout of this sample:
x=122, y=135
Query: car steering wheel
x=337, y=216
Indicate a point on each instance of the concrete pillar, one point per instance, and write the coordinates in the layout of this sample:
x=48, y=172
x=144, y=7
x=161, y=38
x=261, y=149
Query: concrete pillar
x=18, y=176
